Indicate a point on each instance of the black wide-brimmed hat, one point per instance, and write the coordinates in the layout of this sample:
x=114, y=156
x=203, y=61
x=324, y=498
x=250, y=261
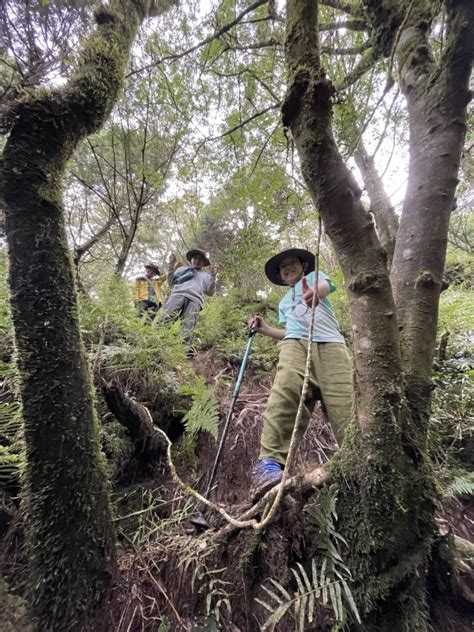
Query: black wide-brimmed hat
x=195, y=251
x=154, y=267
x=272, y=267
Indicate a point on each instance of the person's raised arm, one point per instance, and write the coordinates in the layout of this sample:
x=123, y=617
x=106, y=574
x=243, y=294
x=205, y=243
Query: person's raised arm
x=256, y=323
x=170, y=273
x=211, y=286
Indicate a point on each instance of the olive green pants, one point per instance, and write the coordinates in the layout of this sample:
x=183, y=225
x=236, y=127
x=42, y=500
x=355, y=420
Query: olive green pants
x=330, y=381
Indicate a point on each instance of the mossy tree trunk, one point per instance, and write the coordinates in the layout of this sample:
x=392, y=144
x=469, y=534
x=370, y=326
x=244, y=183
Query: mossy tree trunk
x=386, y=495
x=70, y=540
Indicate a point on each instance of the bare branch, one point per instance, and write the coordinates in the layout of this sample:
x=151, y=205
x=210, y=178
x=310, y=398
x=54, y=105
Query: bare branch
x=247, y=120
x=81, y=250
x=367, y=62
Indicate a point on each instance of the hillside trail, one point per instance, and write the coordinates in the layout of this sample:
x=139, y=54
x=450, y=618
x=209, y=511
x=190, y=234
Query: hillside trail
x=242, y=444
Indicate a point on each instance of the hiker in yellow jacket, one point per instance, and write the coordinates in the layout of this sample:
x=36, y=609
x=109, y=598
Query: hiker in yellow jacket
x=147, y=291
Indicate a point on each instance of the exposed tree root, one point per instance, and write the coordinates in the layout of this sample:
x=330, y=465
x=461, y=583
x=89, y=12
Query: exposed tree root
x=147, y=439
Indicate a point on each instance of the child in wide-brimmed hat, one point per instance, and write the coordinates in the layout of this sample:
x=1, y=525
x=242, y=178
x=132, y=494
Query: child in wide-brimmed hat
x=330, y=378
x=189, y=285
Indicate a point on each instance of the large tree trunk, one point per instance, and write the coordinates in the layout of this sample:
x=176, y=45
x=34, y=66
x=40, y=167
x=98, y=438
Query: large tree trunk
x=437, y=96
x=386, y=494
x=70, y=536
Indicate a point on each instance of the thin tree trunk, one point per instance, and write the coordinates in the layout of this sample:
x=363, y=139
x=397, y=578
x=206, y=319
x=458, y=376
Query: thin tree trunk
x=380, y=205
x=70, y=537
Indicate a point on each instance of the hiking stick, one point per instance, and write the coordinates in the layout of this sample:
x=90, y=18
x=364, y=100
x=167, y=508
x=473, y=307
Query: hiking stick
x=231, y=410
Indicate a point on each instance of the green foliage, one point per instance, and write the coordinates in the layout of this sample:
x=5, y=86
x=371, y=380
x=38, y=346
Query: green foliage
x=456, y=309
x=339, y=299
x=310, y=588
x=128, y=344
x=10, y=445
x=322, y=520
x=324, y=582
x=10, y=423
x=462, y=484
x=451, y=425
x=214, y=589
x=10, y=466
x=4, y=315
x=142, y=515
x=204, y=413
x=222, y=327
x=6, y=328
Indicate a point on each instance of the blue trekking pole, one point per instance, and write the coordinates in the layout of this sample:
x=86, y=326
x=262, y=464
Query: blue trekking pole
x=235, y=395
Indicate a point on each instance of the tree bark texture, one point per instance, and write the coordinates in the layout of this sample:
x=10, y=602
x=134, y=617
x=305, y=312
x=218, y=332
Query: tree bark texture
x=70, y=537
x=387, y=503
x=380, y=205
x=437, y=96
x=308, y=112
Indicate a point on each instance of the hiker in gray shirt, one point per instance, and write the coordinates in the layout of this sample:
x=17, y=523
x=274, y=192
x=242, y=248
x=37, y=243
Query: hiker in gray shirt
x=189, y=285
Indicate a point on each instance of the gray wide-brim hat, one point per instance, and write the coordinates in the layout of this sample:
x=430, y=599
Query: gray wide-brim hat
x=154, y=267
x=272, y=267
x=195, y=251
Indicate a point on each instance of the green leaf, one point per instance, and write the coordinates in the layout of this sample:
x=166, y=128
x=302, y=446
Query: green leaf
x=350, y=601
x=314, y=572
x=284, y=592
x=276, y=616
x=265, y=604
x=311, y=590
x=272, y=594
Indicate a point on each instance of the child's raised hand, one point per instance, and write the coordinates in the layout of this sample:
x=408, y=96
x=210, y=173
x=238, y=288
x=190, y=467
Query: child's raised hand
x=308, y=293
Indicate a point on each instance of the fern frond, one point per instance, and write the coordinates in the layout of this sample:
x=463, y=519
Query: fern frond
x=10, y=464
x=276, y=616
x=10, y=422
x=284, y=592
x=272, y=594
x=310, y=591
x=461, y=485
x=204, y=412
x=350, y=600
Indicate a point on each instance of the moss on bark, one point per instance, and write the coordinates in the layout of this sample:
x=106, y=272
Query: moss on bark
x=385, y=509
x=70, y=536
x=386, y=491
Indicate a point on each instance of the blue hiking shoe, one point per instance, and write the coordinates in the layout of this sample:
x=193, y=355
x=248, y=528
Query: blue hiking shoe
x=266, y=473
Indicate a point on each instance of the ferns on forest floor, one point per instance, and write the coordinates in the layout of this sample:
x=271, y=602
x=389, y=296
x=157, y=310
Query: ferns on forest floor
x=330, y=584
x=10, y=444
x=462, y=484
x=204, y=413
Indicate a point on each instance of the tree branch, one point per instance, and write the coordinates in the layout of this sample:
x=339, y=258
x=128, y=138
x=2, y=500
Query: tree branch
x=351, y=25
x=345, y=8
x=218, y=33
x=350, y=50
